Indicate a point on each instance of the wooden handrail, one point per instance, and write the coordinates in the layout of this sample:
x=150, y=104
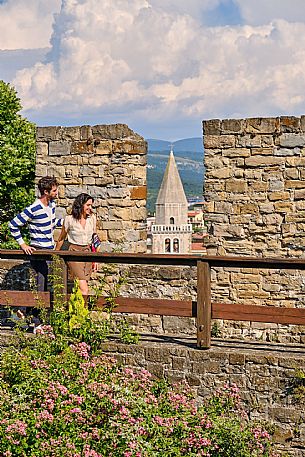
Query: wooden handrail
x=203, y=310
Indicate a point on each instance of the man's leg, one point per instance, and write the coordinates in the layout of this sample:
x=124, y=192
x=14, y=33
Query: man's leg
x=41, y=269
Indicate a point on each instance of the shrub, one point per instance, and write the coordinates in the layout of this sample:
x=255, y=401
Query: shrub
x=59, y=399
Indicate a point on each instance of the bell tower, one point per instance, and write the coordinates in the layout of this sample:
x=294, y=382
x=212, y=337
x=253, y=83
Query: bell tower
x=171, y=234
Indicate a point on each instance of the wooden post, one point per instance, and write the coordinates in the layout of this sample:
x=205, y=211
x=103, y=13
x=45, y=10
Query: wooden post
x=203, y=305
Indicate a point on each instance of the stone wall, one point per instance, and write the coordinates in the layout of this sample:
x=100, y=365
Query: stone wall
x=109, y=163
x=265, y=379
x=255, y=188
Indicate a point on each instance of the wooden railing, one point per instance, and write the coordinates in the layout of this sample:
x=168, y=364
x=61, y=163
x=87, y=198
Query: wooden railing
x=202, y=309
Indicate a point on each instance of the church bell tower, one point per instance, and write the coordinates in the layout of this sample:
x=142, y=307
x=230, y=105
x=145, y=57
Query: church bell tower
x=171, y=234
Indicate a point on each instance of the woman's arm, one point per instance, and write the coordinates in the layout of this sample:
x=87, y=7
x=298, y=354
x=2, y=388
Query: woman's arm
x=61, y=238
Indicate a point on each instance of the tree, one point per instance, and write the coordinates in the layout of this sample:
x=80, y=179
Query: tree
x=17, y=158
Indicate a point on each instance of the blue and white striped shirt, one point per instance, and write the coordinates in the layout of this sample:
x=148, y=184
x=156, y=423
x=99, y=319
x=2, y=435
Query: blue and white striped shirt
x=41, y=221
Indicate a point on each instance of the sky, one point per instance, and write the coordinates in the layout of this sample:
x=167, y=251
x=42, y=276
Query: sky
x=160, y=66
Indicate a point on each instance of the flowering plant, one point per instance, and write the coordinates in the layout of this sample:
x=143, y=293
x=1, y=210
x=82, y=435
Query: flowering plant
x=59, y=399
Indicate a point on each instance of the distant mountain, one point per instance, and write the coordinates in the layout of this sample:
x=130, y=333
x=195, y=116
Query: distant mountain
x=189, y=158
x=187, y=144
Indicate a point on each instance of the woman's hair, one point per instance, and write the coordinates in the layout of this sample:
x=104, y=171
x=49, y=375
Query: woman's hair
x=78, y=204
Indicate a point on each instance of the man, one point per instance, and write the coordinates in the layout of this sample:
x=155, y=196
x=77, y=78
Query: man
x=41, y=220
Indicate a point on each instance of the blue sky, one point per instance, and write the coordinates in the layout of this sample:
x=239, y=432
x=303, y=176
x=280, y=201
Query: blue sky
x=160, y=66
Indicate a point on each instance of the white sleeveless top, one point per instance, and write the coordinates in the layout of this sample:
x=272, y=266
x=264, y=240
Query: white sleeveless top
x=78, y=234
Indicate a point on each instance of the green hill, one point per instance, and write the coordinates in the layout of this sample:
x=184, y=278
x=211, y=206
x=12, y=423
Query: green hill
x=189, y=158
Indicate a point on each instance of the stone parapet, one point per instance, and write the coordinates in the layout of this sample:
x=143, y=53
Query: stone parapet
x=254, y=188
x=109, y=163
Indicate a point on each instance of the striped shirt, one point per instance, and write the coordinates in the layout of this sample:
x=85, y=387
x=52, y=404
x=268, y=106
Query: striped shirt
x=41, y=221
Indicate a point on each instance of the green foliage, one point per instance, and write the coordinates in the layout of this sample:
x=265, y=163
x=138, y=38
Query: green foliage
x=298, y=386
x=17, y=156
x=77, y=309
x=75, y=320
x=79, y=403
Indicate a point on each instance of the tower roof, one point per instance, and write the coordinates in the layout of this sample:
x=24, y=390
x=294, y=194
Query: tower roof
x=171, y=190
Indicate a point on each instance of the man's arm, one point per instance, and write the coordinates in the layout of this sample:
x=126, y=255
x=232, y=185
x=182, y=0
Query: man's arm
x=19, y=221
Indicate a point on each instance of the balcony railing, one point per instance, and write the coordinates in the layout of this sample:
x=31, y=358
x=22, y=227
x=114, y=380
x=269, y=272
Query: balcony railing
x=184, y=228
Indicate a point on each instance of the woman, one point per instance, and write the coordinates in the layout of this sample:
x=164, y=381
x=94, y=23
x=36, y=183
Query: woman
x=79, y=227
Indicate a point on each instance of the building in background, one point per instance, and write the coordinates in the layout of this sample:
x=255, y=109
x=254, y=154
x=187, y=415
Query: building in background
x=170, y=232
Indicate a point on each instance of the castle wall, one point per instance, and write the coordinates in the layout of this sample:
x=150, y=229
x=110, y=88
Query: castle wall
x=255, y=188
x=109, y=163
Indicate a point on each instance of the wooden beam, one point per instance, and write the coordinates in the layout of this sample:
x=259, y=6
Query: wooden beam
x=203, y=305
x=157, y=306
x=24, y=298
x=254, y=313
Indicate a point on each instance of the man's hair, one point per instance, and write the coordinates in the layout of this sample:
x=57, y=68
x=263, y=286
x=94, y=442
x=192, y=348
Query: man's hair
x=46, y=183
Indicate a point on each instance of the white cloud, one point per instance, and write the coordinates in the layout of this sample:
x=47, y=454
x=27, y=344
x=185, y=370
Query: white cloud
x=256, y=12
x=152, y=62
x=26, y=24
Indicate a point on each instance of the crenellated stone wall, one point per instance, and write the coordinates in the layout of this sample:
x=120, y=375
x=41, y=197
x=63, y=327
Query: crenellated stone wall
x=255, y=193
x=109, y=163
x=255, y=186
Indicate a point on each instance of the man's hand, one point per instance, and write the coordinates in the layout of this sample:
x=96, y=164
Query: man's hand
x=27, y=249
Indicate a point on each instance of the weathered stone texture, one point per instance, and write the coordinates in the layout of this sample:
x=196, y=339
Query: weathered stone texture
x=254, y=187
x=109, y=163
x=264, y=378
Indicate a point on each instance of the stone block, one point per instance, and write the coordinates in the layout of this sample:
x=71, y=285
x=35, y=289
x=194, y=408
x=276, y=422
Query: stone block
x=113, y=132
x=257, y=186
x=264, y=161
x=73, y=191
x=232, y=126
x=290, y=124
x=211, y=127
x=294, y=184
x=86, y=133
x=138, y=193
x=299, y=194
x=284, y=207
x=138, y=214
x=221, y=173
x=116, y=236
x=70, y=133
x=248, y=208
x=59, y=148
x=81, y=147
x=88, y=170
x=129, y=147
x=120, y=213
x=42, y=149
x=249, y=141
x=104, y=147
x=261, y=125
x=267, y=141
x=295, y=161
x=237, y=152
x=292, y=140
x=111, y=225
x=47, y=133
x=118, y=192
x=98, y=192
x=285, y=152
x=262, y=151
x=274, y=196
x=236, y=185
x=221, y=141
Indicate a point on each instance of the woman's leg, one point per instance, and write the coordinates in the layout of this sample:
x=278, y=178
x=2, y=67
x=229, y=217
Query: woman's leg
x=83, y=285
